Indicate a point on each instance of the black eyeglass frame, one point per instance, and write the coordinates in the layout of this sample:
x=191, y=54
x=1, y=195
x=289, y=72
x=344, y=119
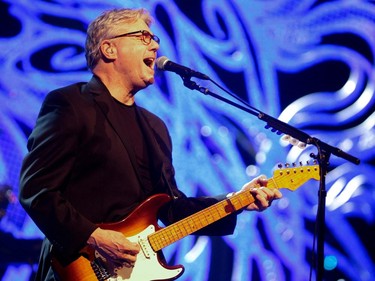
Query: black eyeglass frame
x=144, y=34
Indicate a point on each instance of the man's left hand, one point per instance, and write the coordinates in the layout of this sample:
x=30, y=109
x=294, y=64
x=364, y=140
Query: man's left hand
x=263, y=196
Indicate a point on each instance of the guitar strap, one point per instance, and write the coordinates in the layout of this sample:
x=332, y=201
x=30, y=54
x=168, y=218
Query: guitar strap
x=168, y=183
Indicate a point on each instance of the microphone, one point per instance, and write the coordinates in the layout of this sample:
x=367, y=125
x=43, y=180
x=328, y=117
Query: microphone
x=163, y=63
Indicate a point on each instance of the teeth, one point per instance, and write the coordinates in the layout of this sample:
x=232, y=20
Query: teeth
x=149, y=61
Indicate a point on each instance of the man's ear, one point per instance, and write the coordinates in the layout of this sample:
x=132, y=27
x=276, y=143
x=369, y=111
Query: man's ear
x=108, y=50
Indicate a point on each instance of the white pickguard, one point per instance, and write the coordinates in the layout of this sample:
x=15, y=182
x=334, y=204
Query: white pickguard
x=147, y=266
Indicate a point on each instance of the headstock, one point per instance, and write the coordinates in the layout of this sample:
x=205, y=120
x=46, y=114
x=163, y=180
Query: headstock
x=292, y=177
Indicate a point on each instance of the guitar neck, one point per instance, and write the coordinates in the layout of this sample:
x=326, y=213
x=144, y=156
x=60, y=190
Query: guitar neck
x=201, y=219
x=290, y=178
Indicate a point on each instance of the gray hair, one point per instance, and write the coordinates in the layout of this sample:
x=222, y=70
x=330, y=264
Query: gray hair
x=104, y=26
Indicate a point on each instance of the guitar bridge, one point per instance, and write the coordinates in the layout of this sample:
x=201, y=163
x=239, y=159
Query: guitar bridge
x=99, y=269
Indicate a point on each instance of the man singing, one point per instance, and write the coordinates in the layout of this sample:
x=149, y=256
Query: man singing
x=95, y=155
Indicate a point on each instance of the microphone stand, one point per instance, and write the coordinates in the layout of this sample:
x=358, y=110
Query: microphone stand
x=324, y=152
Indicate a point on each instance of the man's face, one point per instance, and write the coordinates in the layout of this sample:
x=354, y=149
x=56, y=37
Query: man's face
x=135, y=59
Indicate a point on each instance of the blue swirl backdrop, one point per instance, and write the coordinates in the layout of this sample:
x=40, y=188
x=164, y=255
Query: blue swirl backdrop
x=307, y=62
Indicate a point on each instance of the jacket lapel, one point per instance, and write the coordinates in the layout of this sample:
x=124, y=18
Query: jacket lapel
x=107, y=105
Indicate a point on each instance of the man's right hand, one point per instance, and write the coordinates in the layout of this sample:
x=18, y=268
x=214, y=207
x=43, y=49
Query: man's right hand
x=114, y=247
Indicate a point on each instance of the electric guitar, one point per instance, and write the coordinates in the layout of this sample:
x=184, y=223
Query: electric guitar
x=141, y=227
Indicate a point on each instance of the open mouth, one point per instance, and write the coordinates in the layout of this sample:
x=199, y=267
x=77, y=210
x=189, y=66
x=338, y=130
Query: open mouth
x=149, y=62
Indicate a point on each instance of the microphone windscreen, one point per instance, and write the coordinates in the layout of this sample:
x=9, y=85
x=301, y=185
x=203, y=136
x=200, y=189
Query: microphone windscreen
x=161, y=61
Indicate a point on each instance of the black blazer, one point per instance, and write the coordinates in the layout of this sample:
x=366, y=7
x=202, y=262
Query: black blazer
x=81, y=169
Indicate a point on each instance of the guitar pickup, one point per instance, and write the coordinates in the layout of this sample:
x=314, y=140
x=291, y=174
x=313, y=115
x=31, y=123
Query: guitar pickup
x=145, y=245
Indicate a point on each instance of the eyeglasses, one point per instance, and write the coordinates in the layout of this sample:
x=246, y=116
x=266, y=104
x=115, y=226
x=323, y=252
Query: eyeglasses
x=145, y=36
